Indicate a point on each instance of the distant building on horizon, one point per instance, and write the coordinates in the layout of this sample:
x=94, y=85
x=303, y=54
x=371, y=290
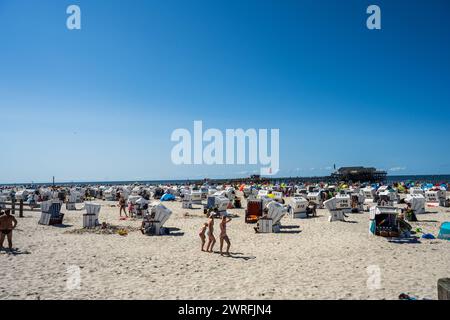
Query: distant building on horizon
x=361, y=174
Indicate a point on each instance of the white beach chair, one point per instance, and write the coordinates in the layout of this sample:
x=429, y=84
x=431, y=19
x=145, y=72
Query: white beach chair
x=417, y=202
x=297, y=208
x=90, y=218
x=315, y=197
x=271, y=222
x=186, y=203
x=153, y=223
x=196, y=197
x=3, y=198
x=51, y=213
x=416, y=190
x=369, y=194
x=73, y=197
x=337, y=206
x=435, y=198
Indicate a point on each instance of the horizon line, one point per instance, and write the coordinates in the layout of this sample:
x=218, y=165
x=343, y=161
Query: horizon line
x=196, y=179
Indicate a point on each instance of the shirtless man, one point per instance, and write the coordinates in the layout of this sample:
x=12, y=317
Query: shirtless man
x=7, y=224
x=223, y=235
x=211, y=238
x=202, y=235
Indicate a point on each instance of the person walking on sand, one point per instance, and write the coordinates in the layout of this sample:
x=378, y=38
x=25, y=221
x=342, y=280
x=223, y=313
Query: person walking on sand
x=122, y=205
x=211, y=238
x=223, y=235
x=202, y=235
x=7, y=224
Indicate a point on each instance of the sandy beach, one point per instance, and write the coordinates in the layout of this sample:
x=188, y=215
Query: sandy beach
x=310, y=259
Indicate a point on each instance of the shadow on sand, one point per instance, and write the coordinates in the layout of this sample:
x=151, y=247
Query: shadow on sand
x=175, y=232
x=63, y=226
x=291, y=229
x=410, y=240
x=236, y=255
x=14, y=251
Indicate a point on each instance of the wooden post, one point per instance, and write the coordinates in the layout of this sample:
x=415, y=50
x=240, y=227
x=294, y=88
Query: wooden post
x=13, y=205
x=21, y=208
x=444, y=289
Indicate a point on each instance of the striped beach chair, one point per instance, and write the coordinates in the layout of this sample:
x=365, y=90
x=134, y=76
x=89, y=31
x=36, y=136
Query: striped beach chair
x=90, y=218
x=51, y=213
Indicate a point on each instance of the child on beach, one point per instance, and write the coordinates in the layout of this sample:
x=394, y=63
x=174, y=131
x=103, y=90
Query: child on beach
x=130, y=209
x=202, y=235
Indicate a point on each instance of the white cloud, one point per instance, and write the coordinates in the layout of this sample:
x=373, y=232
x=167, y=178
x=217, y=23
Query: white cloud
x=395, y=169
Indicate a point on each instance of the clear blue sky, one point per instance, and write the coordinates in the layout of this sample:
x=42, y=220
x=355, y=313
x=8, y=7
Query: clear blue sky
x=101, y=103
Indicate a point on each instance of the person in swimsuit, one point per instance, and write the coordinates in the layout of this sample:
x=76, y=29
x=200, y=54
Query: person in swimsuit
x=211, y=238
x=122, y=205
x=7, y=224
x=202, y=235
x=223, y=235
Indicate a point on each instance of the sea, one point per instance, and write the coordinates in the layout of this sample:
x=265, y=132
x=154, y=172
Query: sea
x=434, y=179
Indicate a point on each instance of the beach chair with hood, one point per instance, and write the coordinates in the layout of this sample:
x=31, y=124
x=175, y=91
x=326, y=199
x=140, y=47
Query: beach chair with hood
x=153, y=222
x=271, y=221
x=51, y=213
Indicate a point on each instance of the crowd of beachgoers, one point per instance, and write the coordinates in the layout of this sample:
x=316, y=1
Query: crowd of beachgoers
x=283, y=245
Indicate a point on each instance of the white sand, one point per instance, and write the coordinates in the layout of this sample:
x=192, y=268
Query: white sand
x=323, y=261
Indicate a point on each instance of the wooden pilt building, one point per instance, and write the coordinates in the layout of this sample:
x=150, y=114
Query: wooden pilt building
x=359, y=174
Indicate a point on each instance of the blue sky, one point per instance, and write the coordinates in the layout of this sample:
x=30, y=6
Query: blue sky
x=100, y=103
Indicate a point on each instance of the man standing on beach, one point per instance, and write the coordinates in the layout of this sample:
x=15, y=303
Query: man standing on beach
x=223, y=235
x=7, y=224
x=211, y=238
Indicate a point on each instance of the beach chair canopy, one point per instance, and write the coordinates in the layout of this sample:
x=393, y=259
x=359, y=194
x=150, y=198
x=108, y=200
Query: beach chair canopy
x=167, y=197
x=162, y=213
x=276, y=211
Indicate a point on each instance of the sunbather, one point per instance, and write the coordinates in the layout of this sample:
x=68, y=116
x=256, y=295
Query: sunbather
x=7, y=224
x=211, y=238
x=122, y=205
x=202, y=235
x=223, y=235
